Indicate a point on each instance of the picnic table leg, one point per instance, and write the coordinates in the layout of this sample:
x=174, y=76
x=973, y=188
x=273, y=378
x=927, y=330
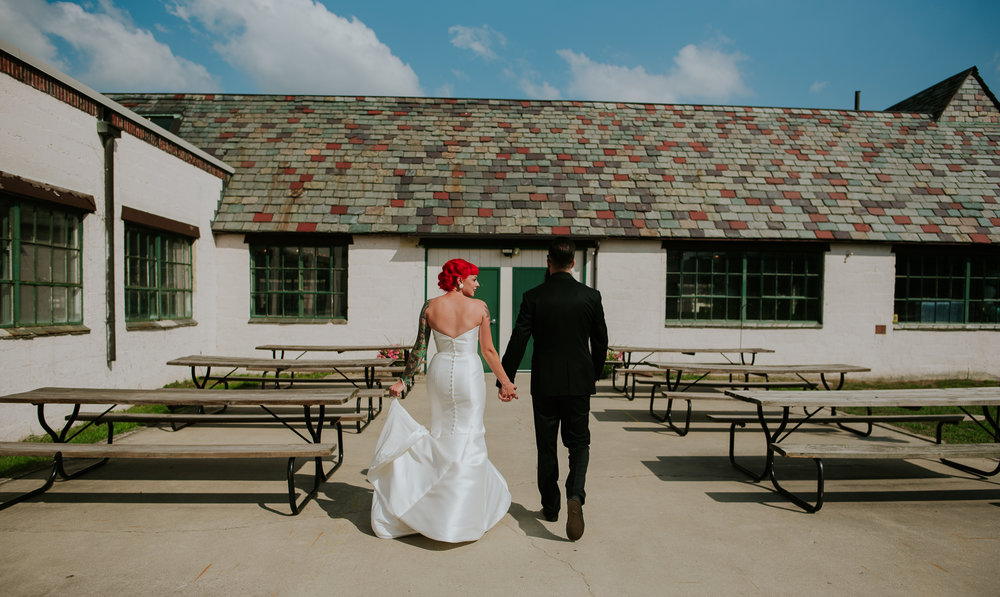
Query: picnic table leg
x=668, y=414
x=626, y=362
x=40, y=490
x=62, y=437
x=315, y=432
x=993, y=420
x=768, y=439
x=795, y=499
x=826, y=384
x=194, y=377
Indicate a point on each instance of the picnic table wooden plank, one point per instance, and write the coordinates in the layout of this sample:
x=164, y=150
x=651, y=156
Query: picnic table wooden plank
x=688, y=350
x=264, y=363
x=981, y=396
x=773, y=369
x=875, y=450
x=333, y=347
x=100, y=450
x=188, y=396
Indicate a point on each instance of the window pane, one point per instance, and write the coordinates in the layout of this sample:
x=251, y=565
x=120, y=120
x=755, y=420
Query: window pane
x=946, y=287
x=738, y=285
x=158, y=265
x=298, y=281
x=26, y=314
x=6, y=304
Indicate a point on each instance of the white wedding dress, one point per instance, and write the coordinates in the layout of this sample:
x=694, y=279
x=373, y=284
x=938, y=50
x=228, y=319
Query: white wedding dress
x=440, y=483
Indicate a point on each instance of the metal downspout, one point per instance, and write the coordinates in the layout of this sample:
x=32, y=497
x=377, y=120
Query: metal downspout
x=108, y=133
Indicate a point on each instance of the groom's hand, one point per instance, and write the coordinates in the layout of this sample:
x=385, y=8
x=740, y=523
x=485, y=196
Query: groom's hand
x=508, y=395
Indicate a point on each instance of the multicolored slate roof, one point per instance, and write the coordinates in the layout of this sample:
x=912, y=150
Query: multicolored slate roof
x=467, y=167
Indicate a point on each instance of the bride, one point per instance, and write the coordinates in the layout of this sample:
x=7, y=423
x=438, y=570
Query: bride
x=440, y=482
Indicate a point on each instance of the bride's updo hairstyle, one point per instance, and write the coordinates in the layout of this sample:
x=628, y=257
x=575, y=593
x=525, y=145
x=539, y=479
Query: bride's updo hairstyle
x=452, y=271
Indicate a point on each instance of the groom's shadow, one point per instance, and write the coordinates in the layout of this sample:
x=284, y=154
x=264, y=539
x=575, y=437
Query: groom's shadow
x=530, y=522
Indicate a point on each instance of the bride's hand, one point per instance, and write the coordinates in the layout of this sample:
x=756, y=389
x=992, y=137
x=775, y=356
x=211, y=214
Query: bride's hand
x=508, y=392
x=397, y=389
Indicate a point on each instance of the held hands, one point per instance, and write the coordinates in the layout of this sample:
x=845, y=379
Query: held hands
x=508, y=392
x=397, y=389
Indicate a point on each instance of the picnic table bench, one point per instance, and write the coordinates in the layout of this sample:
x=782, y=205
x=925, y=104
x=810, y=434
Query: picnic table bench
x=813, y=404
x=60, y=449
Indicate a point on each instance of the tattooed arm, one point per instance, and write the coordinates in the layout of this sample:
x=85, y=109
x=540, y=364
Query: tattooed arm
x=417, y=355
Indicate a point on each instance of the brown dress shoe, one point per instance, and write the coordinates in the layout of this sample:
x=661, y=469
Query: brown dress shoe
x=574, y=520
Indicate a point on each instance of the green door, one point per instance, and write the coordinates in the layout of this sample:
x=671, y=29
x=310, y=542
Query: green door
x=525, y=278
x=489, y=291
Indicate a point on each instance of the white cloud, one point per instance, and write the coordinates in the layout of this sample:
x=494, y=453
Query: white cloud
x=818, y=86
x=528, y=81
x=700, y=73
x=539, y=90
x=479, y=40
x=298, y=46
x=111, y=53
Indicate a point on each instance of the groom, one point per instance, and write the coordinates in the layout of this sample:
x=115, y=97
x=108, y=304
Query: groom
x=566, y=319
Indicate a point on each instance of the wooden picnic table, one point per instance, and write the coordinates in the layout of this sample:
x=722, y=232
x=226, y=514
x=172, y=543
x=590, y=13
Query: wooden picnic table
x=628, y=351
x=312, y=402
x=670, y=377
x=674, y=370
x=341, y=367
x=629, y=360
x=302, y=349
x=813, y=403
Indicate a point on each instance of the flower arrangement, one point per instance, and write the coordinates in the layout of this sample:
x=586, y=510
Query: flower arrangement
x=390, y=353
x=612, y=356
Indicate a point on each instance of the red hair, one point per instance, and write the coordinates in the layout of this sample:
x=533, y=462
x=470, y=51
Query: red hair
x=452, y=271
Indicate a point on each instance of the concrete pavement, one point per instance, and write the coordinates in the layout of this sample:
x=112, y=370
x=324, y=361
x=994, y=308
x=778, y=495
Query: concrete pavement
x=666, y=515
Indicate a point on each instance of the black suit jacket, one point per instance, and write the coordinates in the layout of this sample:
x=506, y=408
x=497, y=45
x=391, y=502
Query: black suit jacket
x=566, y=319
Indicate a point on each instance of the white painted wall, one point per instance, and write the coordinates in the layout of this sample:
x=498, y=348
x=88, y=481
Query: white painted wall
x=858, y=296
x=151, y=181
x=385, y=293
x=46, y=140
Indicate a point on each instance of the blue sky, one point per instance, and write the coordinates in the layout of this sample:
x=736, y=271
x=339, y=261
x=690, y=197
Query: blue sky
x=734, y=52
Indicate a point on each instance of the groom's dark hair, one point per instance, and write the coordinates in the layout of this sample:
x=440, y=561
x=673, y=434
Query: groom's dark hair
x=562, y=251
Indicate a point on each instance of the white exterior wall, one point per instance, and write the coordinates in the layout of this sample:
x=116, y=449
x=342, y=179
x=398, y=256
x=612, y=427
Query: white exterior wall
x=46, y=140
x=154, y=182
x=858, y=296
x=384, y=296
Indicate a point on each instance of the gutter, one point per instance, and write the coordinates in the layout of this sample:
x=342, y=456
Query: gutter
x=108, y=133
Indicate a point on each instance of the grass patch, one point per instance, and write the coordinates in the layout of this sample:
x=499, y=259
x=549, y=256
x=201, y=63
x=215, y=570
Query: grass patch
x=966, y=432
x=84, y=434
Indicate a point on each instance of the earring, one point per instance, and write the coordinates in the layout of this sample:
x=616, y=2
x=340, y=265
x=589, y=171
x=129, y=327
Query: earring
x=461, y=286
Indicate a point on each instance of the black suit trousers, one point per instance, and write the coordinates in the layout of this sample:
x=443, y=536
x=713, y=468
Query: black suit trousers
x=572, y=414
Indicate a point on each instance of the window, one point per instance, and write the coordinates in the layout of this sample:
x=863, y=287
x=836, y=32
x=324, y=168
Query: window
x=951, y=287
x=301, y=281
x=766, y=286
x=40, y=264
x=158, y=275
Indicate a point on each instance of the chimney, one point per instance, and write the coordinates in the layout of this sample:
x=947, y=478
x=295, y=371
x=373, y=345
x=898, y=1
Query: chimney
x=857, y=100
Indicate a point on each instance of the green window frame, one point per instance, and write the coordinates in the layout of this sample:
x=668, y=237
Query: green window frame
x=955, y=287
x=159, y=275
x=300, y=281
x=41, y=264
x=766, y=286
